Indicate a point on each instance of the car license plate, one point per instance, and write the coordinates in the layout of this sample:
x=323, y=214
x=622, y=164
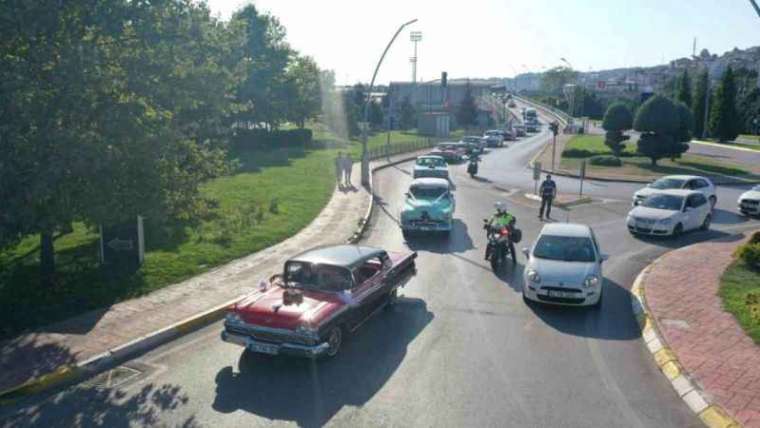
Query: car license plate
x=264, y=348
x=553, y=293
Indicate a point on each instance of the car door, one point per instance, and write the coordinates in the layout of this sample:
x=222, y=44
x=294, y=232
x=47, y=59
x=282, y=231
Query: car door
x=693, y=213
x=702, y=208
x=368, y=289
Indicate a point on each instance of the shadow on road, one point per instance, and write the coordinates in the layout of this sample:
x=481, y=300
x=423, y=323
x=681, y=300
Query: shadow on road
x=457, y=241
x=689, y=238
x=721, y=216
x=614, y=320
x=311, y=392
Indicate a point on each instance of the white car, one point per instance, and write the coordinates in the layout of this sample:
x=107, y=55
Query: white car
x=749, y=201
x=688, y=182
x=670, y=212
x=564, y=266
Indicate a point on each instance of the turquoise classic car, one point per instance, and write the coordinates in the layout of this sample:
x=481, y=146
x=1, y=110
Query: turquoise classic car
x=431, y=166
x=429, y=206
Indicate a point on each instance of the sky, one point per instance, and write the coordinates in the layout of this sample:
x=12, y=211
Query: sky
x=502, y=38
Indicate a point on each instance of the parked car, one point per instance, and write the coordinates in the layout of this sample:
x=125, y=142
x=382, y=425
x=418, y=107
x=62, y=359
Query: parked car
x=509, y=135
x=429, y=206
x=321, y=295
x=431, y=166
x=670, y=212
x=494, y=138
x=452, y=152
x=749, y=201
x=564, y=266
x=512, y=104
x=519, y=130
x=688, y=182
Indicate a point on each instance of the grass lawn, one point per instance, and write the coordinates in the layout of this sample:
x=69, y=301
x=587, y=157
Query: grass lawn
x=740, y=291
x=639, y=166
x=272, y=197
x=750, y=137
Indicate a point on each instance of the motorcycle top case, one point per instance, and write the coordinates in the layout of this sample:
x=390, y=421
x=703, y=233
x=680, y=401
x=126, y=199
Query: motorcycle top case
x=516, y=236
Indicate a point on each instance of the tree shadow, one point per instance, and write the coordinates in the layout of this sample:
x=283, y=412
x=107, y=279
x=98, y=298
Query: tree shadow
x=27, y=357
x=688, y=238
x=105, y=407
x=614, y=320
x=255, y=160
x=721, y=216
x=458, y=240
x=311, y=392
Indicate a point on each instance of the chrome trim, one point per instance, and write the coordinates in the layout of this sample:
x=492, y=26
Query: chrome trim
x=245, y=341
x=253, y=329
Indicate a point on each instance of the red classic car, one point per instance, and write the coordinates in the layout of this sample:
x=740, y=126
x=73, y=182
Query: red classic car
x=321, y=295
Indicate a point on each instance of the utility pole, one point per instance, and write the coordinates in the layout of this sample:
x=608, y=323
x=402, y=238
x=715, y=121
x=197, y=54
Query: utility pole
x=707, y=101
x=757, y=9
x=365, y=155
x=415, y=37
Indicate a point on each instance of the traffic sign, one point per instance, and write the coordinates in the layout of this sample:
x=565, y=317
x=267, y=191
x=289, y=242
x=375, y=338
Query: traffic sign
x=122, y=246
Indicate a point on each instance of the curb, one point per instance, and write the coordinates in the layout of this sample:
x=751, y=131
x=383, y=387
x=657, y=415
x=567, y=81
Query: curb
x=580, y=201
x=711, y=414
x=70, y=374
x=641, y=181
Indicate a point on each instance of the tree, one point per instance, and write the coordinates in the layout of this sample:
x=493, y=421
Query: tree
x=617, y=120
x=408, y=115
x=724, y=119
x=304, y=96
x=698, y=103
x=467, y=114
x=749, y=107
x=657, y=120
x=554, y=80
x=376, y=116
x=683, y=94
x=683, y=134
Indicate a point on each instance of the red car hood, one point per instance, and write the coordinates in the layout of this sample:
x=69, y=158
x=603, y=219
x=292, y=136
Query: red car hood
x=268, y=309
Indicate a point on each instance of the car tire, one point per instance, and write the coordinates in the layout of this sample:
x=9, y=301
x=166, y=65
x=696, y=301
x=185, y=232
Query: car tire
x=598, y=304
x=334, y=340
x=713, y=201
x=678, y=230
x=706, y=223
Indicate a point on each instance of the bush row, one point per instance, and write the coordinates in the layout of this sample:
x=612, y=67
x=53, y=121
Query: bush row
x=255, y=139
x=750, y=252
x=605, y=160
x=583, y=153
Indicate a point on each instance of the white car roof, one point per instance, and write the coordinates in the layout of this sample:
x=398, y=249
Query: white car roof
x=430, y=182
x=430, y=157
x=567, y=229
x=674, y=192
x=684, y=177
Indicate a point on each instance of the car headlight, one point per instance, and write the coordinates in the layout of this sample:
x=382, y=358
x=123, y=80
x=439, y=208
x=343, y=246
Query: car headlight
x=665, y=221
x=591, y=281
x=233, y=318
x=533, y=276
x=307, y=331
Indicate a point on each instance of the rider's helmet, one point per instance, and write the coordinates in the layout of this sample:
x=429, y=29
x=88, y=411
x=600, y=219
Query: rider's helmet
x=501, y=207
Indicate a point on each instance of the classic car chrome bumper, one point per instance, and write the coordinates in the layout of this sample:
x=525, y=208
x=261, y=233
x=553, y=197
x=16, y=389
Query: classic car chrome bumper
x=274, y=348
x=429, y=226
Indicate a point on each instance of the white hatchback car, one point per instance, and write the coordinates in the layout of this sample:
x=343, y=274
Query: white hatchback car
x=564, y=266
x=670, y=212
x=749, y=201
x=687, y=182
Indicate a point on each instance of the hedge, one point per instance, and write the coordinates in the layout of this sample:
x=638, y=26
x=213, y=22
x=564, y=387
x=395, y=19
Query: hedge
x=605, y=160
x=750, y=252
x=577, y=153
x=255, y=139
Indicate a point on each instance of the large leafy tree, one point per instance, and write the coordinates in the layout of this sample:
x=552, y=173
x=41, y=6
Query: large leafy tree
x=698, y=103
x=724, y=118
x=657, y=120
x=407, y=115
x=617, y=120
x=107, y=110
x=555, y=79
x=684, y=131
x=304, y=92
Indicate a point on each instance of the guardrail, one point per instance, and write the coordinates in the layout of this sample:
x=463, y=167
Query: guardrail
x=560, y=115
x=398, y=148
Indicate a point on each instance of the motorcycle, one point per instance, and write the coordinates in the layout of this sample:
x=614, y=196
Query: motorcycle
x=501, y=241
x=472, y=167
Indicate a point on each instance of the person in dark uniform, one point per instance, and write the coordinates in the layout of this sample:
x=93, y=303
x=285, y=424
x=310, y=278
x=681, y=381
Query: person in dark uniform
x=548, y=191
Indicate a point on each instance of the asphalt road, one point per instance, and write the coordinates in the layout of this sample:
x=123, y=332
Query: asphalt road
x=460, y=349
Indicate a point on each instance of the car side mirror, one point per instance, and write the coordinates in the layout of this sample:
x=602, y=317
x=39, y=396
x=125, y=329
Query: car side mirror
x=408, y=195
x=526, y=251
x=605, y=257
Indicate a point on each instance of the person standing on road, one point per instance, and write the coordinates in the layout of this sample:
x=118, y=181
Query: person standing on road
x=339, y=168
x=348, y=166
x=547, y=191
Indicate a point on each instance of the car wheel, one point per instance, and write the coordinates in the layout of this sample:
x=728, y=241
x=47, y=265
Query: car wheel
x=713, y=201
x=706, y=223
x=678, y=230
x=334, y=340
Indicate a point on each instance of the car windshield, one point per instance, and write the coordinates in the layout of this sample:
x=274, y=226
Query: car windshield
x=667, y=183
x=424, y=192
x=431, y=162
x=565, y=248
x=317, y=277
x=664, y=202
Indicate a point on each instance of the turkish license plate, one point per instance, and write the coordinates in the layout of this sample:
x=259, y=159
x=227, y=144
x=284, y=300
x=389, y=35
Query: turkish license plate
x=263, y=348
x=553, y=293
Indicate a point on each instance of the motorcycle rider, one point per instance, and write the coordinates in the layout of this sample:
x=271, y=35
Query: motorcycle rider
x=502, y=218
x=472, y=166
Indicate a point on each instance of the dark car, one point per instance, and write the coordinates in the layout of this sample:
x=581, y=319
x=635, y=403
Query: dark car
x=321, y=295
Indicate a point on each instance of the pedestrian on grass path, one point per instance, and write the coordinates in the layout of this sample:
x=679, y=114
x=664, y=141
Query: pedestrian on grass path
x=348, y=167
x=548, y=192
x=340, y=168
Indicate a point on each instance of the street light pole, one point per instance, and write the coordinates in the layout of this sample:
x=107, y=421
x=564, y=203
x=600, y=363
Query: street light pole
x=365, y=156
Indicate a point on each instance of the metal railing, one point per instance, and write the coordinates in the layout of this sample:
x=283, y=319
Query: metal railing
x=385, y=151
x=560, y=115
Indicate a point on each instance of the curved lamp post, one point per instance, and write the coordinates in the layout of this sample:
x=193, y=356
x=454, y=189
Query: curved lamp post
x=365, y=155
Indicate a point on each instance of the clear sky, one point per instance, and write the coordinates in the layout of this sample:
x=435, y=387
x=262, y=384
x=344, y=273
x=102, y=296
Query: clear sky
x=501, y=38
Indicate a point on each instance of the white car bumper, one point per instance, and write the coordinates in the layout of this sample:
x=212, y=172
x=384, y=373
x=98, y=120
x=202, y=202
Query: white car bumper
x=559, y=296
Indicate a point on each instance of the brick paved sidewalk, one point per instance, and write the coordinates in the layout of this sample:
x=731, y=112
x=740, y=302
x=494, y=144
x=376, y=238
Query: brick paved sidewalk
x=681, y=293
x=81, y=338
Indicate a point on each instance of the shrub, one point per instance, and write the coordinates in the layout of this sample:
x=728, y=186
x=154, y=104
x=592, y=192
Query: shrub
x=605, y=160
x=750, y=253
x=577, y=153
